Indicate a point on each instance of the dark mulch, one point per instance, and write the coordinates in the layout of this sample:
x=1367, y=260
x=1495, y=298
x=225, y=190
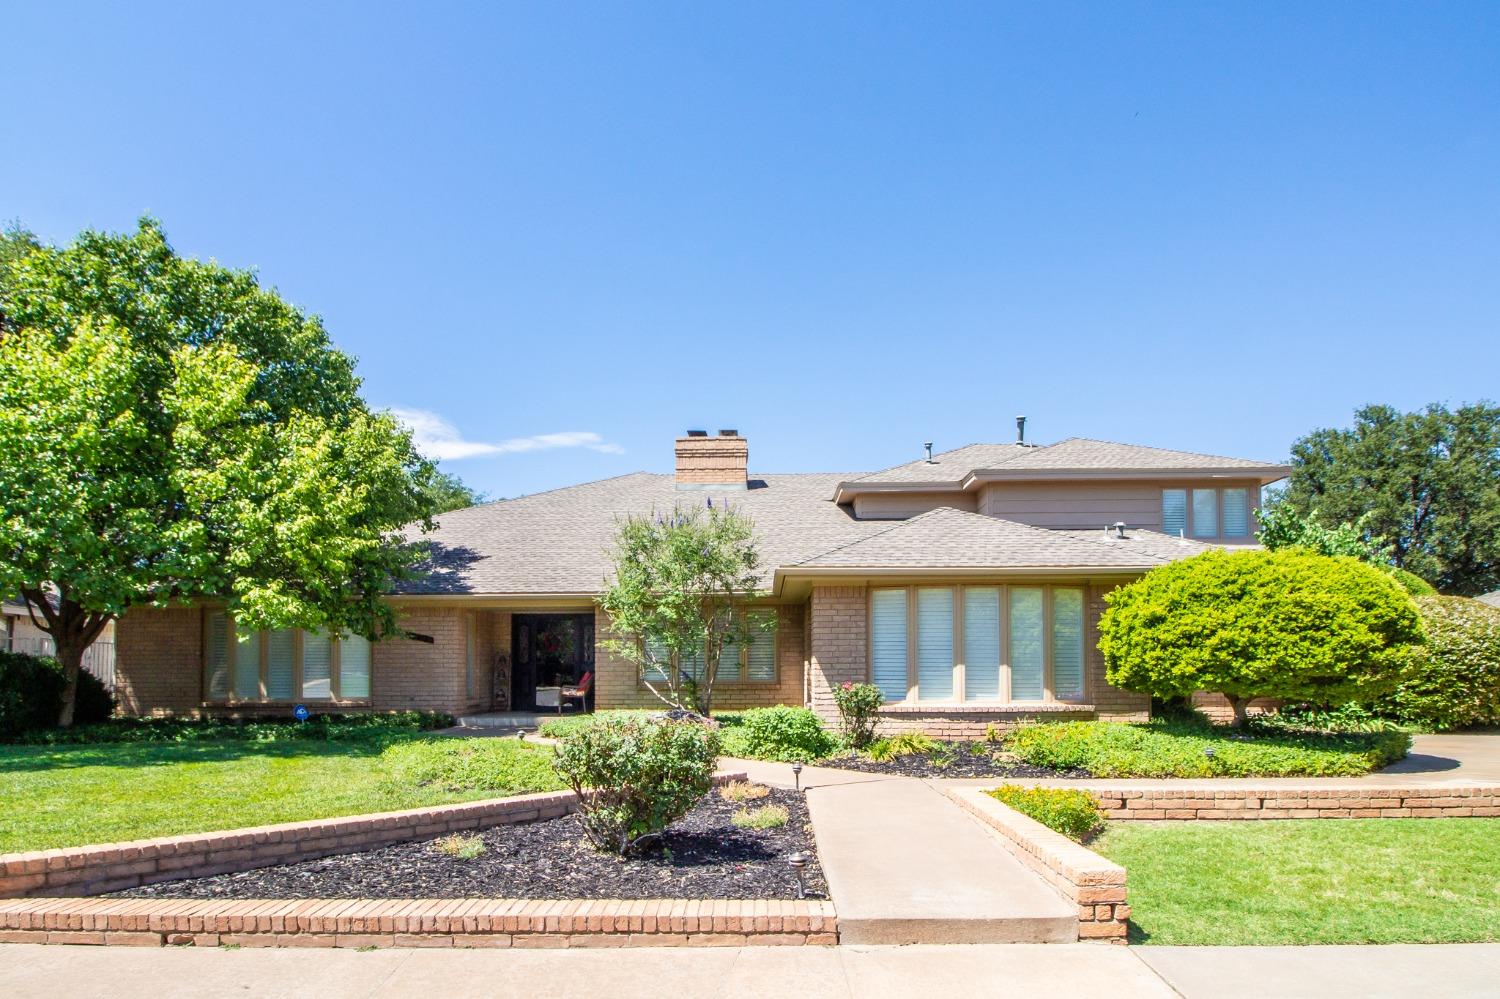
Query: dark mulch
x=701, y=856
x=961, y=759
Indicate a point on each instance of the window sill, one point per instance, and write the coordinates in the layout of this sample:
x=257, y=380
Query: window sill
x=982, y=708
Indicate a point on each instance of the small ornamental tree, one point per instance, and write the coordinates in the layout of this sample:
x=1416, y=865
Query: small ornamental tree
x=1286, y=624
x=1454, y=680
x=673, y=605
x=171, y=431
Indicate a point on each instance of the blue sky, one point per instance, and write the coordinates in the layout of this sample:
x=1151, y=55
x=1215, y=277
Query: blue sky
x=565, y=233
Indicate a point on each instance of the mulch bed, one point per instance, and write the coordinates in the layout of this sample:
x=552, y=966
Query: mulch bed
x=966, y=759
x=702, y=855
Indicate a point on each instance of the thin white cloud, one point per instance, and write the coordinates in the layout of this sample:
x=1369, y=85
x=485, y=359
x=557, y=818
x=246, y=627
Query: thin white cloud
x=437, y=438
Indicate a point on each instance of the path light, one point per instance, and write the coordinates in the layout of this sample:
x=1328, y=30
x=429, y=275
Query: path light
x=1209, y=752
x=797, y=776
x=521, y=736
x=798, y=861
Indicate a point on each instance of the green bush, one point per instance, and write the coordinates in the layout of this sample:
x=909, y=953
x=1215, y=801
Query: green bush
x=504, y=766
x=329, y=727
x=1287, y=624
x=1413, y=584
x=1312, y=718
x=859, y=711
x=1176, y=749
x=1075, y=814
x=788, y=734
x=1454, y=680
x=635, y=777
x=31, y=691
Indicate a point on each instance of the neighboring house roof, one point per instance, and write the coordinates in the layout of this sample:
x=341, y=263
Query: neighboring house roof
x=955, y=539
x=949, y=467
x=1493, y=599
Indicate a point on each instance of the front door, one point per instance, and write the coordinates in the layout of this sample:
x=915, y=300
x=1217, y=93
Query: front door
x=548, y=650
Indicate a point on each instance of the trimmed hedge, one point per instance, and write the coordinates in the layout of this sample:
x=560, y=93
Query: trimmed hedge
x=783, y=733
x=1074, y=813
x=31, y=692
x=333, y=728
x=1177, y=749
x=1454, y=680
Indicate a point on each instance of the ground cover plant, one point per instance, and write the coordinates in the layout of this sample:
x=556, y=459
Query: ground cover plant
x=1187, y=749
x=1335, y=881
x=1288, y=624
x=365, y=725
x=74, y=794
x=704, y=854
x=1076, y=814
x=636, y=777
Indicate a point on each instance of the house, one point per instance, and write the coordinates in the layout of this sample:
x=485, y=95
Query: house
x=967, y=585
x=19, y=633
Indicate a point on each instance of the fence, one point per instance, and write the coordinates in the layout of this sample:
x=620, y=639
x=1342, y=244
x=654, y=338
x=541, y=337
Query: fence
x=98, y=659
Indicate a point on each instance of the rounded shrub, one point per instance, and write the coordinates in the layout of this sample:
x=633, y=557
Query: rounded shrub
x=31, y=693
x=1454, y=680
x=788, y=734
x=634, y=777
x=1411, y=582
x=1287, y=624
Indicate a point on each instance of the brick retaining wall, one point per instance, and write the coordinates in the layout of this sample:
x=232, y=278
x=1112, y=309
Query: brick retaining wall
x=1272, y=802
x=417, y=922
x=108, y=867
x=1092, y=883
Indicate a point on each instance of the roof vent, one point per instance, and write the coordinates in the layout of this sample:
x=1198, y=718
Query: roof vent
x=1020, y=430
x=1119, y=529
x=697, y=433
x=928, y=446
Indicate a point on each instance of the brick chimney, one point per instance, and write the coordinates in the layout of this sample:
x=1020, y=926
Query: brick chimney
x=705, y=462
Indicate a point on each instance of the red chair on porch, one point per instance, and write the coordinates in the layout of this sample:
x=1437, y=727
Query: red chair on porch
x=579, y=693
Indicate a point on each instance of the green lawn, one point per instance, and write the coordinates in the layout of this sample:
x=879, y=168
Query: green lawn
x=1329, y=881
x=69, y=795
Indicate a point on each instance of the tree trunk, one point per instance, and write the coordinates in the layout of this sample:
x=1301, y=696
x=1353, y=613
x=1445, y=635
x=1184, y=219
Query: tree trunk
x=70, y=658
x=1241, y=706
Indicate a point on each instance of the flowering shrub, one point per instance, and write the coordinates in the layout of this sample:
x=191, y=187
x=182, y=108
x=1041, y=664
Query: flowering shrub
x=859, y=707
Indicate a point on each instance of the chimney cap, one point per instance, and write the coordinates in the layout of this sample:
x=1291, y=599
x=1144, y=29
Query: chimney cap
x=697, y=433
x=729, y=433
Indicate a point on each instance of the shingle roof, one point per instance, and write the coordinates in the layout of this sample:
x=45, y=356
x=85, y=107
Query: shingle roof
x=949, y=466
x=948, y=538
x=558, y=541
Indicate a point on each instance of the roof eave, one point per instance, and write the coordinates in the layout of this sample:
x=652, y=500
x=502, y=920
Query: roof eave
x=1265, y=474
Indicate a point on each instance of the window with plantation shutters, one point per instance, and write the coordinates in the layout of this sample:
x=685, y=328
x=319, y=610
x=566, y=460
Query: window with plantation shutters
x=730, y=667
x=760, y=655
x=981, y=643
x=218, y=657
x=660, y=659
x=281, y=664
x=888, y=643
x=1236, y=512
x=247, y=666
x=1205, y=513
x=1174, y=512
x=354, y=666
x=935, y=643
x=1027, y=648
x=1067, y=644
x=317, y=667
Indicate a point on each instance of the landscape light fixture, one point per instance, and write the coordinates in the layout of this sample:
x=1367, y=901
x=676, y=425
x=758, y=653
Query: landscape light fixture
x=798, y=862
x=797, y=776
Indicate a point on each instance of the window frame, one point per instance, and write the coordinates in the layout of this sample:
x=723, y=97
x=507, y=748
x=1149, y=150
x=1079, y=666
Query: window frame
x=1005, y=697
x=231, y=646
x=1252, y=498
x=721, y=681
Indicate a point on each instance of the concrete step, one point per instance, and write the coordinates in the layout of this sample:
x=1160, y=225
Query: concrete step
x=507, y=719
x=905, y=865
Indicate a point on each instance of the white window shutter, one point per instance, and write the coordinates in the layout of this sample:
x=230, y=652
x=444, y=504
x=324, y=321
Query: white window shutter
x=888, y=643
x=981, y=643
x=1067, y=644
x=281, y=650
x=761, y=654
x=1236, y=513
x=317, y=667
x=354, y=666
x=1027, y=654
x=218, y=657
x=935, y=643
x=247, y=666
x=1174, y=512
x=1205, y=513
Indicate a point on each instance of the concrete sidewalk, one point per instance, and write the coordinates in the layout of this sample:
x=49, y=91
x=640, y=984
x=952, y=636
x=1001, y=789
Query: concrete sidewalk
x=1435, y=970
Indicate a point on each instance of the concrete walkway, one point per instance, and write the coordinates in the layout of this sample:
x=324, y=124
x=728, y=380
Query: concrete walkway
x=30, y=971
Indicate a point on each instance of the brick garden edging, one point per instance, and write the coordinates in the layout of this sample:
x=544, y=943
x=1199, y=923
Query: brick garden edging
x=1092, y=883
x=108, y=867
x=1268, y=801
x=417, y=922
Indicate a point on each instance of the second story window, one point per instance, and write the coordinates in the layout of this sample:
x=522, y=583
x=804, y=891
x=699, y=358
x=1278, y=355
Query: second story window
x=1207, y=513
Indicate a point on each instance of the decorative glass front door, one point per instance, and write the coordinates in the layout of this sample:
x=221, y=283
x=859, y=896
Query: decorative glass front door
x=548, y=650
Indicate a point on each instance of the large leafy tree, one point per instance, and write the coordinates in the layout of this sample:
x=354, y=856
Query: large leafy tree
x=171, y=430
x=1423, y=487
x=446, y=491
x=680, y=582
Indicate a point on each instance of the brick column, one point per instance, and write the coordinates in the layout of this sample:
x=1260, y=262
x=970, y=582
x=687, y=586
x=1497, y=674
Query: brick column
x=836, y=651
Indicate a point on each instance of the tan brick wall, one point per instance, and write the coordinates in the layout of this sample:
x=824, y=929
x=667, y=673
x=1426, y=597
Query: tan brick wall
x=1111, y=703
x=1216, y=706
x=159, y=661
x=836, y=652
x=1348, y=799
x=619, y=687
x=412, y=675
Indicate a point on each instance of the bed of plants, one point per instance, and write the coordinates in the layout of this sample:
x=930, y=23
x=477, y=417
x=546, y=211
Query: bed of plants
x=1074, y=813
x=334, y=727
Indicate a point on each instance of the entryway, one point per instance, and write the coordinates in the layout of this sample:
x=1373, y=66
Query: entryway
x=549, y=651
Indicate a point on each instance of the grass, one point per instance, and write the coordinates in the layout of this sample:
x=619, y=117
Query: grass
x=1189, y=749
x=742, y=791
x=460, y=846
x=71, y=795
x=1328, y=881
x=764, y=817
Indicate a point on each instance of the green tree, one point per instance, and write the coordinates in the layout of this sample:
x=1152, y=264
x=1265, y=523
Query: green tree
x=1281, y=526
x=16, y=242
x=446, y=491
x=673, y=605
x=170, y=431
x=1288, y=624
x=1424, y=488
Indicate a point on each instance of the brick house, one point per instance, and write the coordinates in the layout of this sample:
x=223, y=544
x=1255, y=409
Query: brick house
x=967, y=585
